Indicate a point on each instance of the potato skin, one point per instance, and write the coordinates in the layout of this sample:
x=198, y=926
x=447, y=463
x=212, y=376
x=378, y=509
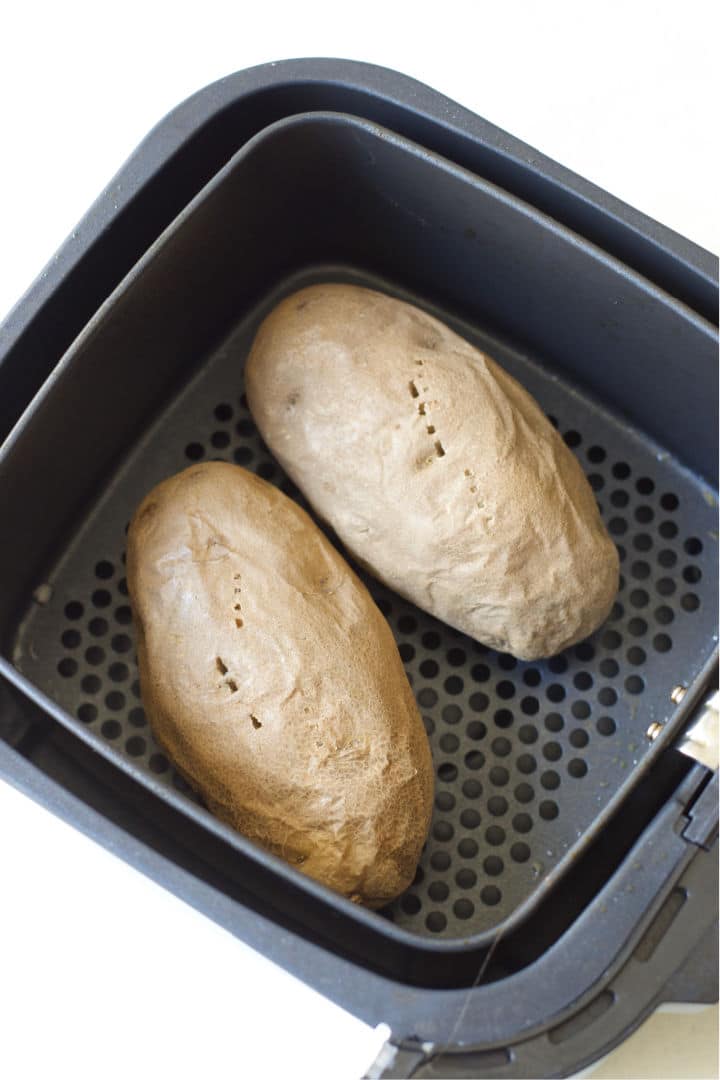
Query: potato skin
x=274, y=682
x=436, y=469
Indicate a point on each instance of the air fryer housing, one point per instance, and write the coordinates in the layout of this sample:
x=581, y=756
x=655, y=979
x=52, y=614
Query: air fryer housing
x=567, y=885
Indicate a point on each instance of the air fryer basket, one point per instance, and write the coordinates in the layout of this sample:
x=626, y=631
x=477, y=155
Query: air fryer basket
x=527, y=755
x=533, y=760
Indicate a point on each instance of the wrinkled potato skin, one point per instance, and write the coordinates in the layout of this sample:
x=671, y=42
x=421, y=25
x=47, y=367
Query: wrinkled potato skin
x=436, y=469
x=274, y=683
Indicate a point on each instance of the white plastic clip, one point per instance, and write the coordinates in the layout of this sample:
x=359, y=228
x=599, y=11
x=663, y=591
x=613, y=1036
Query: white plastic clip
x=701, y=741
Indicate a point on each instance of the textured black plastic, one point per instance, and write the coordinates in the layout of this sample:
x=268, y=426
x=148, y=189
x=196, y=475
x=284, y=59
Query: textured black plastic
x=528, y=757
x=592, y=926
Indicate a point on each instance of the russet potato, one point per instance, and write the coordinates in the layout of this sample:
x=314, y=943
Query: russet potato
x=274, y=682
x=436, y=469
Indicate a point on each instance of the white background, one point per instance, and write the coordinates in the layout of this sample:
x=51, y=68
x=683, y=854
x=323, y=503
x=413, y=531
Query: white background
x=102, y=972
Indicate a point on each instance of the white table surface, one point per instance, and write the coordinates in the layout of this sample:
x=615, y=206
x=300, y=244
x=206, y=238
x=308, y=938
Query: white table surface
x=104, y=974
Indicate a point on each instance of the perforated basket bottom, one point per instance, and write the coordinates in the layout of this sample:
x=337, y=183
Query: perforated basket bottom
x=526, y=754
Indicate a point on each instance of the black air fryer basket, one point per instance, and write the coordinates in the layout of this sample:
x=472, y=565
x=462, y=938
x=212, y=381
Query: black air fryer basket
x=568, y=883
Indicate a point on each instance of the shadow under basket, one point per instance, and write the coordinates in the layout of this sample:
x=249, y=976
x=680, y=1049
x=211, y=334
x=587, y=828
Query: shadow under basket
x=559, y=834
